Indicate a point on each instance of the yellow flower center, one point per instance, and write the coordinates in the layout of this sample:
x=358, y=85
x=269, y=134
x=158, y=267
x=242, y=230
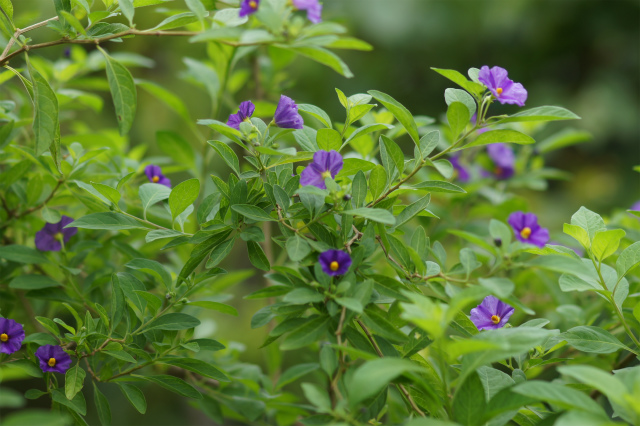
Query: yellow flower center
x=52, y=362
x=4, y=337
x=499, y=91
x=253, y=5
x=334, y=266
x=58, y=236
x=495, y=319
x=526, y=232
x=155, y=179
x=498, y=170
x=326, y=174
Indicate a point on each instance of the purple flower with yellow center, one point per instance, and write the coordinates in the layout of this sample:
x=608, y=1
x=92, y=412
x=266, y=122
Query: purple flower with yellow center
x=463, y=174
x=325, y=165
x=50, y=236
x=313, y=8
x=335, y=262
x=527, y=230
x=503, y=159
x=53, y=359
x=154, y=173
x=287, y=116
x=245, y=111
x=502, y=88
x=491, y=314
x=247, y=7
x=11, y=336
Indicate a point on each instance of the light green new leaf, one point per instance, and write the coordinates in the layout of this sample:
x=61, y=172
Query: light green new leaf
x=376, y=215
x=589, y=221
x=173, y=321
x=375, y=375
x=183, y=195
x=605, y=243
x=73, y=381
x=458, y=117
x=151, y=193
x=578, y=233
x=197, y=8
x=628, y=259
x=328, y=139
x=377, y=181
x=543, y=113
x=126, y=6
x=110, y=193
x=123, y=91
x=457, y=95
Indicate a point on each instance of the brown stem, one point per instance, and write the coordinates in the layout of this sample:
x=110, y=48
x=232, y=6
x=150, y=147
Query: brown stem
x=401, y=387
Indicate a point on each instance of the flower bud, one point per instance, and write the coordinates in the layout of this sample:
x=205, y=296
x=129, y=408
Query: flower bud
x=346, y=197
x=497, y=242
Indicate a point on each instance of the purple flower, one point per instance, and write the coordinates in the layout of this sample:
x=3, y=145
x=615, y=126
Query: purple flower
x=248, y=7
x=635, y=207
x=313, y=8
x=154, y=173
x=53, y=359
x=527, y=230
x=325, y=164
x=48, y=238
x=503, y=159
x=502, y=88
x=335, y=262
x=463, y=173
x=287, y=116
x=245, y=111
x=11, y=336
x=491, y=314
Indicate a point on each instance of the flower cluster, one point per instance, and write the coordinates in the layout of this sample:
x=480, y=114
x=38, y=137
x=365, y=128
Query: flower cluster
x=285, y=117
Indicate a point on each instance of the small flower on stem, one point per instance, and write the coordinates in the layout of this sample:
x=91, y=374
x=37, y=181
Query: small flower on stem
x=53, y=359
x=287, y=116
x=335, y=262
x=325, y=164
x=247, y=7
x=527, y=230
x=154, y=174
x=11, y=336
x=50, y=236
x=245, y=111
x=491, y=314
x=501, y=87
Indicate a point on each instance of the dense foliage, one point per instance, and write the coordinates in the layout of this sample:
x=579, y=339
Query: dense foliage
x=401, y=261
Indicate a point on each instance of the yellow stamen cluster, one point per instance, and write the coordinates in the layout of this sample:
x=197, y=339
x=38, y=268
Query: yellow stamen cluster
x=52, y=362
x=58, y=236
x=4, y=337
x=499, y=91
x=334, y=266
x=495, y=319
x=155, y=179
x=326, y=174
x=253, y=5
x=526, y=232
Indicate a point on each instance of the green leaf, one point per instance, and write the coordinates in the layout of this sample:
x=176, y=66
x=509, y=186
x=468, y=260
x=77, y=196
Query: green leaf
x=253, y=212
x=197, y=8
x=469, y=401
x=199, y=367
x=458, y=117
x=215, y=306
x=151, y=193
x=308, y=333
x=606, y=383
x=135, y=397
x=257, y=256
x=359, y=189
x=543, y=113
x=457, y=95
x=45, y=121
x=394, y=152
x=32, y=282
x=578, y=233
x=461, y=80
x=428, y=143
x=151, y=267
x=123, y=91
x=493, y=381
x=174, y=384
x=499, y=230
x=377, y=181
x=399, y=112
x=605, y=243
x=296, y=372
x=220, y=252
x=183, y=195
x=350, y=303
x=323, y=56
x=412, y=210
x=376, y=215
x=328, y=139
x=227, y=155
x=351, y=166
x=175, y=146
x=73, y=381
x=173, y=321
x=316, y=112
x=592, y=339
x=297, y=248
x=110, y=193
x=365, y=130
x=317, y=396
x=22, y=254
x=121, y=355
x=589, y=221
x=495, y=136
x=556, y=394
x=628, y=259
x=126, y=6
x=77, y=404
x=439, y=186
x=102, y=404
x=373, y=376
x=108, y=220
x=302, y=296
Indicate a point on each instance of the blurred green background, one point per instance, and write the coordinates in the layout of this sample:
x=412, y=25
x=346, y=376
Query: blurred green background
x=580, y=54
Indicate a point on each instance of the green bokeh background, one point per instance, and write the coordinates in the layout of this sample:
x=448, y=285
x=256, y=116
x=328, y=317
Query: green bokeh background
x=580, y=54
